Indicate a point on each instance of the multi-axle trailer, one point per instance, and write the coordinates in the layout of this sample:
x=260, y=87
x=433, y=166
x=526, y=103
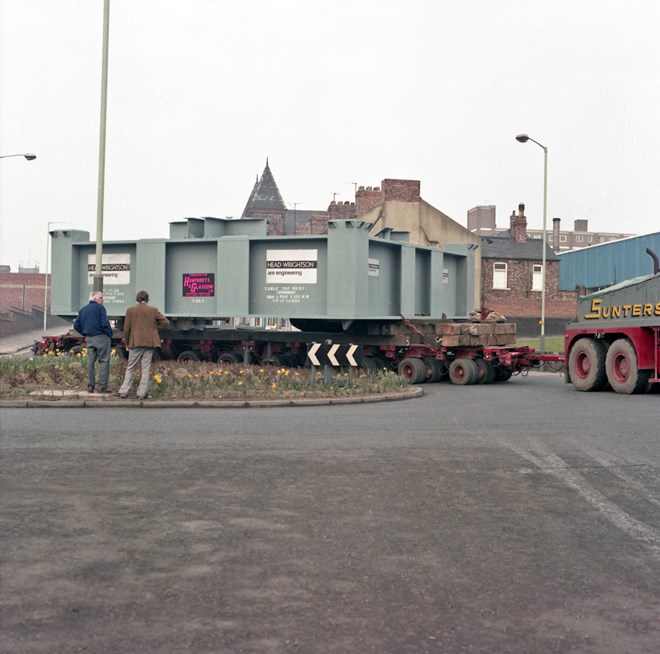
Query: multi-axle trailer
x=346, y=293
x=463, y=352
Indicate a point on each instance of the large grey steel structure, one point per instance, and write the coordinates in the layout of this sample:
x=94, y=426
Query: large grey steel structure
x=214, y=268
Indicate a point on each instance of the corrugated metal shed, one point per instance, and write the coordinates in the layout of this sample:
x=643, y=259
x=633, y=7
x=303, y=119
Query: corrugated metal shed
x=605, y=264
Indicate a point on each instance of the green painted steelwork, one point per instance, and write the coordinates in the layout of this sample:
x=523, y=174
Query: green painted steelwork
x=214, y=268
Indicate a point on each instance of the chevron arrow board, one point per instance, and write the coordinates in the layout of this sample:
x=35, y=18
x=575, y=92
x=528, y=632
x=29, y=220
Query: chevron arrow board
x=334, y=354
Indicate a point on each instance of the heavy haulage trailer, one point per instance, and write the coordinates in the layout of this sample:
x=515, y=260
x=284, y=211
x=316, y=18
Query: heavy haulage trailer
x=615, y=342
x=394, y=304
x=406, y=307
x=463, y=352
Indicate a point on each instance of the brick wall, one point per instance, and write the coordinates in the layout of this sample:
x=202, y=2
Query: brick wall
x=341, y=210
x=22, y=290
x=519, y=300
x=367, y=198
x=403, y=190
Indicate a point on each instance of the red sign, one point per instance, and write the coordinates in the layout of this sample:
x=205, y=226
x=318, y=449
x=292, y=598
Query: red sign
x=198, y=285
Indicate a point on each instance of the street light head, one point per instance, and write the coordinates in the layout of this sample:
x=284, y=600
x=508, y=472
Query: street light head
x=522, y=138
x=30, y=156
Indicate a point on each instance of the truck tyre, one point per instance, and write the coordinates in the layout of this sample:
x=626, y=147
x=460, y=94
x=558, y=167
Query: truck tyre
x=436, y=370
x=586, y=365
x=189, y=356
x=485, y=371
x=463, y=372
x=623, y=372
x=412, y=370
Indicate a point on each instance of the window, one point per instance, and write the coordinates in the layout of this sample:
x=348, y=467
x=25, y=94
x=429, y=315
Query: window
x=579, y=239
x=562, y=238
x=500, y=275
x=537, y=277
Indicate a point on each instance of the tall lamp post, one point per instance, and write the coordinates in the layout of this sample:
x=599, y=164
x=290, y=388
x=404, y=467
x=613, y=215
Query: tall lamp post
x=28, y=155
x=98, y=272
x=523, y=138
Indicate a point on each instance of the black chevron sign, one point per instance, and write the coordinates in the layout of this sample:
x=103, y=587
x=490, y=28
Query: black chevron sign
x=329, y=354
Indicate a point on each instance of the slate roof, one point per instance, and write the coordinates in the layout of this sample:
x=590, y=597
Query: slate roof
x=504, y=246
x=265, y=196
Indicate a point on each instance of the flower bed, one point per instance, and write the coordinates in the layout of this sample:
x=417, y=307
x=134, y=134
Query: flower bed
x=22, y=376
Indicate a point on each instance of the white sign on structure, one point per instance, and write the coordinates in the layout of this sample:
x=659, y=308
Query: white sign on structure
x=116, y=268
x=374, y=267
x=291, y=266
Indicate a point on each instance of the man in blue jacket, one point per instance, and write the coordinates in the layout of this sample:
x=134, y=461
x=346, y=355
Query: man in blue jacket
x=92, y=322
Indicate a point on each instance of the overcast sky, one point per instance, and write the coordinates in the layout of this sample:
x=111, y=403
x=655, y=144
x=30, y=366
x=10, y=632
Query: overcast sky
x=200, y=92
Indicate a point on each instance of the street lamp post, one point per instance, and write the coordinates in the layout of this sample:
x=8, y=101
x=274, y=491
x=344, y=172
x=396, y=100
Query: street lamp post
x=523, y=138
x=28, y=155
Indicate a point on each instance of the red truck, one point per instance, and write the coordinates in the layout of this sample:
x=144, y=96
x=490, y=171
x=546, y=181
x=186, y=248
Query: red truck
x=615, y=342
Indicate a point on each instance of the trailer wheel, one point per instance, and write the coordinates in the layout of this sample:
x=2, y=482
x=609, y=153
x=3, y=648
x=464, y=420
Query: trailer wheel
x=370, y=365
x=485, y=371
x=503, y=374
x=189, y=356
x=120, y=352
x=586, y=365
x=463, y=372
x=229, y=358
x=436, y=370
x=623, y=372
x=412, y=370
x=278, y=360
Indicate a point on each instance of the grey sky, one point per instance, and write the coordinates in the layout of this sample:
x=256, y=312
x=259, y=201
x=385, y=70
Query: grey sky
x=336, y=92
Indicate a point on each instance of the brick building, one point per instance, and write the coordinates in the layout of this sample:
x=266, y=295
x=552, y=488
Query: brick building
x=512, y=277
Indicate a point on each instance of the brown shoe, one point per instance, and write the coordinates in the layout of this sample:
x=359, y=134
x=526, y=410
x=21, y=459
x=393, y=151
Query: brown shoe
x=103, y=391
x=90, y=388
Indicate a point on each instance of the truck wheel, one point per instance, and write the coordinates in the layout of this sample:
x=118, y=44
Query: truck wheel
x=436, y=370
x=463, y=372
x=412, y=370
x=485, y=371
x=586, y=365
x=188, y=356
x=623, y=372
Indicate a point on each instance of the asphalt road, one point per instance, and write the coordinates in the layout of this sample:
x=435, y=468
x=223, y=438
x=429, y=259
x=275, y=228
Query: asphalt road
x=518, y=517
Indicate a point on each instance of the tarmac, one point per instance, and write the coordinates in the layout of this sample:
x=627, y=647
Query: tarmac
x=21, y=344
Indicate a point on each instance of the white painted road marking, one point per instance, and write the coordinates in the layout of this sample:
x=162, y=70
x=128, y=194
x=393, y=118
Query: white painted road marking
x=548, y=462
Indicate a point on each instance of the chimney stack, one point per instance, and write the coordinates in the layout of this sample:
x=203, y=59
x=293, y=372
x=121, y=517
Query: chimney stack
x=519, y=225
x=555, y=234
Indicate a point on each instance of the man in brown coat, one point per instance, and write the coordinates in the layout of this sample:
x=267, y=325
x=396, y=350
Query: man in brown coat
x=141, y=327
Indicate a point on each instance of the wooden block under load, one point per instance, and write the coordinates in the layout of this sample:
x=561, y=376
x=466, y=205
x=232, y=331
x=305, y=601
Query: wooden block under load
x=456, y=334
x=459, y=340
x=504, y=328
